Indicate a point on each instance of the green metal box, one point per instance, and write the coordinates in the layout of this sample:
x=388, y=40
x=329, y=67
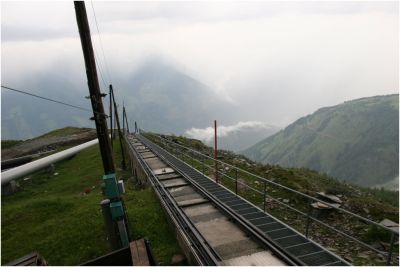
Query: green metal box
x=111, y=186
x=116, y=209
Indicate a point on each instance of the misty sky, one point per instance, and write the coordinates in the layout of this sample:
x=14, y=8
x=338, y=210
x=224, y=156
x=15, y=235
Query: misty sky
x=276, y=61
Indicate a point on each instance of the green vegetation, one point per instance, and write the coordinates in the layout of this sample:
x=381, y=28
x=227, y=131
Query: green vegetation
x=59, y=216
x=374, y=233
x=64, y=132
x=9, y=143
x=357, y=141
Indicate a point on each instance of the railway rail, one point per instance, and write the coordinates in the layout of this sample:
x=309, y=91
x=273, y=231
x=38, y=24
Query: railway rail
x=219, y=227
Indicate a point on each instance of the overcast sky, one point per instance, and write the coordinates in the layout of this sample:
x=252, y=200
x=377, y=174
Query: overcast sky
x=277, y=61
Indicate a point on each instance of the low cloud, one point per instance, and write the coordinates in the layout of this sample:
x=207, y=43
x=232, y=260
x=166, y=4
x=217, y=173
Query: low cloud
x=207, y=134
x=275, y=61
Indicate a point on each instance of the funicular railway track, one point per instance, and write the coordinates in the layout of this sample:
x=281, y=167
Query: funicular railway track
x=220, y=227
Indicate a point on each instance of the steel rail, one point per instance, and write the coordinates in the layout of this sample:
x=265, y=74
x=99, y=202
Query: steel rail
x=164, y=197
x=205, y=254
x=301, y=213
x=234, y=214
x=287, y=188
x=262, y=193
x=284, y=255
x=224, y=174
x=308, y=216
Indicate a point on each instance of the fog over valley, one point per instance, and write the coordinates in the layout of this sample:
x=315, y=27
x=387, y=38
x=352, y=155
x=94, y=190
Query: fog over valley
x=246, y=65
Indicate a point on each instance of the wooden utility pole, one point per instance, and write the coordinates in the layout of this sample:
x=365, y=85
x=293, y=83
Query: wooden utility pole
x=126, y=119
x=123, y=118
x=94, y=88
x=114, y=207
x=119, y=129
x=111, y=121
x=215, y=151
x=115, y=119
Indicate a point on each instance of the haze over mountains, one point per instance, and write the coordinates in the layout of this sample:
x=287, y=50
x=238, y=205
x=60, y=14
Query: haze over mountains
x=234, y=137
x=357, y=141
x=24, y=117
x=163, y=99
x=156, y=95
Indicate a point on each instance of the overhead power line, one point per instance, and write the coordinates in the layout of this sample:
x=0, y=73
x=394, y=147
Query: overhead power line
x=100, y=71
x=48, y=99
x=101, y=44
x=98, y=65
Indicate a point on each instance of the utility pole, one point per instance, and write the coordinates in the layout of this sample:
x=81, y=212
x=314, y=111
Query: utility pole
x=126, y=119
x=215, y=151
x=112, y=187
x=123, y=117
x=94, y=88
x=119, y=129
x=115, y=119
x=111, y=121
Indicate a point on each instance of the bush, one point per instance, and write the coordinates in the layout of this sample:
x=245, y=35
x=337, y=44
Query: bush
x=375, y=234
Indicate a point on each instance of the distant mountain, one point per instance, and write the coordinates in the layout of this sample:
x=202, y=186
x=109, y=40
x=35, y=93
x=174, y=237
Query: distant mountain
x=357, y=141
x=24, y=117
x=157, y=95
x=242, y=139
x=234, y=137
x=163, y=99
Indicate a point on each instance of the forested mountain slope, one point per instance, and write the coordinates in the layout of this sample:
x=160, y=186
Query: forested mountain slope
x=357, y=141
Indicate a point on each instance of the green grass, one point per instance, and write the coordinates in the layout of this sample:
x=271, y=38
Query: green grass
x=52, y=215
x=9, y=143
x=147, y=220
x=63, y=132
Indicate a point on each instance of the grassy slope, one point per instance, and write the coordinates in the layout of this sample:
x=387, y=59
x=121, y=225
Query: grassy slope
x=356, y=141
x=52, y=215
x=63, y=132
x=9, y=143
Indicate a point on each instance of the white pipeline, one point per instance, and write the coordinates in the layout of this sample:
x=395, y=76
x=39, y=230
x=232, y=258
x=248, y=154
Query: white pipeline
x=33, y=166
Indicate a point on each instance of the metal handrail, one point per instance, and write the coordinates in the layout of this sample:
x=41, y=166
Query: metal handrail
x=188, y=225
x=307, y=215
x=223, y=174
x=287, y=188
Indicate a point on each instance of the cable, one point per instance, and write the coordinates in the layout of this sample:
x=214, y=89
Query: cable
x=49, y=99
x=101, y=44
x=98, y=65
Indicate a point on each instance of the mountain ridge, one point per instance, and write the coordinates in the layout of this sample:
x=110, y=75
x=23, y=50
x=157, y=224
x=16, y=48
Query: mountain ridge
x=157, y=95
x=341, y=140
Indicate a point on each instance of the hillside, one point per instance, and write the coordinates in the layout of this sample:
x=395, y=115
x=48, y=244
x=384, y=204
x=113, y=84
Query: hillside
x=52, y=141
x=357, y=141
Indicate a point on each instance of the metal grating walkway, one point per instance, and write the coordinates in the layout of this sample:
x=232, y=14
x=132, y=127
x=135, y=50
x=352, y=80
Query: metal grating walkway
x=289, y=241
